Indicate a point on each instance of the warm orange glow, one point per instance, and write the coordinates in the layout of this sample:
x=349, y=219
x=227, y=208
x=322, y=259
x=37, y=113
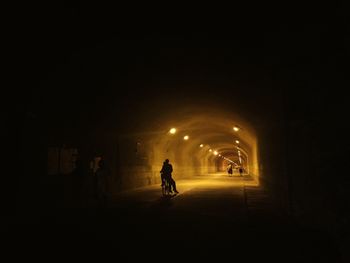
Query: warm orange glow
x=199, y=143
x=237, y=141
x=172, y=131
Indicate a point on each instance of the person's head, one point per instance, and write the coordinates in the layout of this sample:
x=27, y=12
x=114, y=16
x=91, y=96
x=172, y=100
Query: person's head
x=166, y=161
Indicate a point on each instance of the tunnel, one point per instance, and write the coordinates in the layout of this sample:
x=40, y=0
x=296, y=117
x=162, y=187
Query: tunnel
x=197, y=141
x=263, y=96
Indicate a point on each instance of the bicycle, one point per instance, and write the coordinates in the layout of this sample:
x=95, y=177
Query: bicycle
x=166, y=188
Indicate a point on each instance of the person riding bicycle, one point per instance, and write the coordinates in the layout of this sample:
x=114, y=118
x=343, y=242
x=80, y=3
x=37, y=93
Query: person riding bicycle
x=166, y=171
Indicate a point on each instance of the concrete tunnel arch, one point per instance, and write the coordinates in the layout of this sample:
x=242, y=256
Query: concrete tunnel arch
x=213, y=129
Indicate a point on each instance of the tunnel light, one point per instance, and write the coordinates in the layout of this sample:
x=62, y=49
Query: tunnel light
x=237, y=141
x=235, y=128
x=186, y=137
x=219, y=155
x=210, y=150
x=216, y=153
x=201, y=145
x=172, y=131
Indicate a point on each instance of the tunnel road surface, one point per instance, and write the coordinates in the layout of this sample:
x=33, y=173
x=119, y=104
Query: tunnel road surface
x=213, y=217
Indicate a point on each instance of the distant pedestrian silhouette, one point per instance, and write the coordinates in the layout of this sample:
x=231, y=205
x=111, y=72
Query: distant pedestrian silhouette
x=241, y=171
x=229, y=169
x=166, y=176
x=101, y=174
x=78, y=179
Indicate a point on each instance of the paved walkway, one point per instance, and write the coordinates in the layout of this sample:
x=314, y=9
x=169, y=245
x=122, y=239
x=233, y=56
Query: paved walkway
x=213, y=216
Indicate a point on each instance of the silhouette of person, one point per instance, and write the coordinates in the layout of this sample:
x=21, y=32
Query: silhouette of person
x=166, y=171
x=101, y=181
x=92, y=172
x=229, y=169
x=240, y=171
x=78, y=177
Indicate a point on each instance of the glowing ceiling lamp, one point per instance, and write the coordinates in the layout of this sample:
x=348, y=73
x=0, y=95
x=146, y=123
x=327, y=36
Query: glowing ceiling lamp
x=236, y=128
x=172, y=131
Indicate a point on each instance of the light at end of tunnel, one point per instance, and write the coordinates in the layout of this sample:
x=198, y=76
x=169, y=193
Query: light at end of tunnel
x=237, y=141
x=201, y=145
x=172, y=131
x=235, y=128
x=220, y=155
x=215, y=153
x=186, y=137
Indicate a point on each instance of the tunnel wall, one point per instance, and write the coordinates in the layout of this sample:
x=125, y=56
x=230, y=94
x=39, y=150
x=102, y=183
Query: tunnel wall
x=317, y=163
x=272, y=162
x=152, y=143
x=142, y=168
x=135, y=155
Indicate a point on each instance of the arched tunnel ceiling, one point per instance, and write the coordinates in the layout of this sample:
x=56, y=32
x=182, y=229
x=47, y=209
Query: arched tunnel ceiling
x=207, y=126
x=204, y=125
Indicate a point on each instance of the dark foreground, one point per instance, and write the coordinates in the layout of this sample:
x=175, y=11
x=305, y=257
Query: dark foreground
x=217, y=219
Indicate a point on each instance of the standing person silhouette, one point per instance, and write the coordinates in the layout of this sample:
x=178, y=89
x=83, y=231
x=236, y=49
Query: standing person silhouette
x=229, y=169
x=241, y=171
x=78, y=179
x=102, y=174
x=166, y=171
